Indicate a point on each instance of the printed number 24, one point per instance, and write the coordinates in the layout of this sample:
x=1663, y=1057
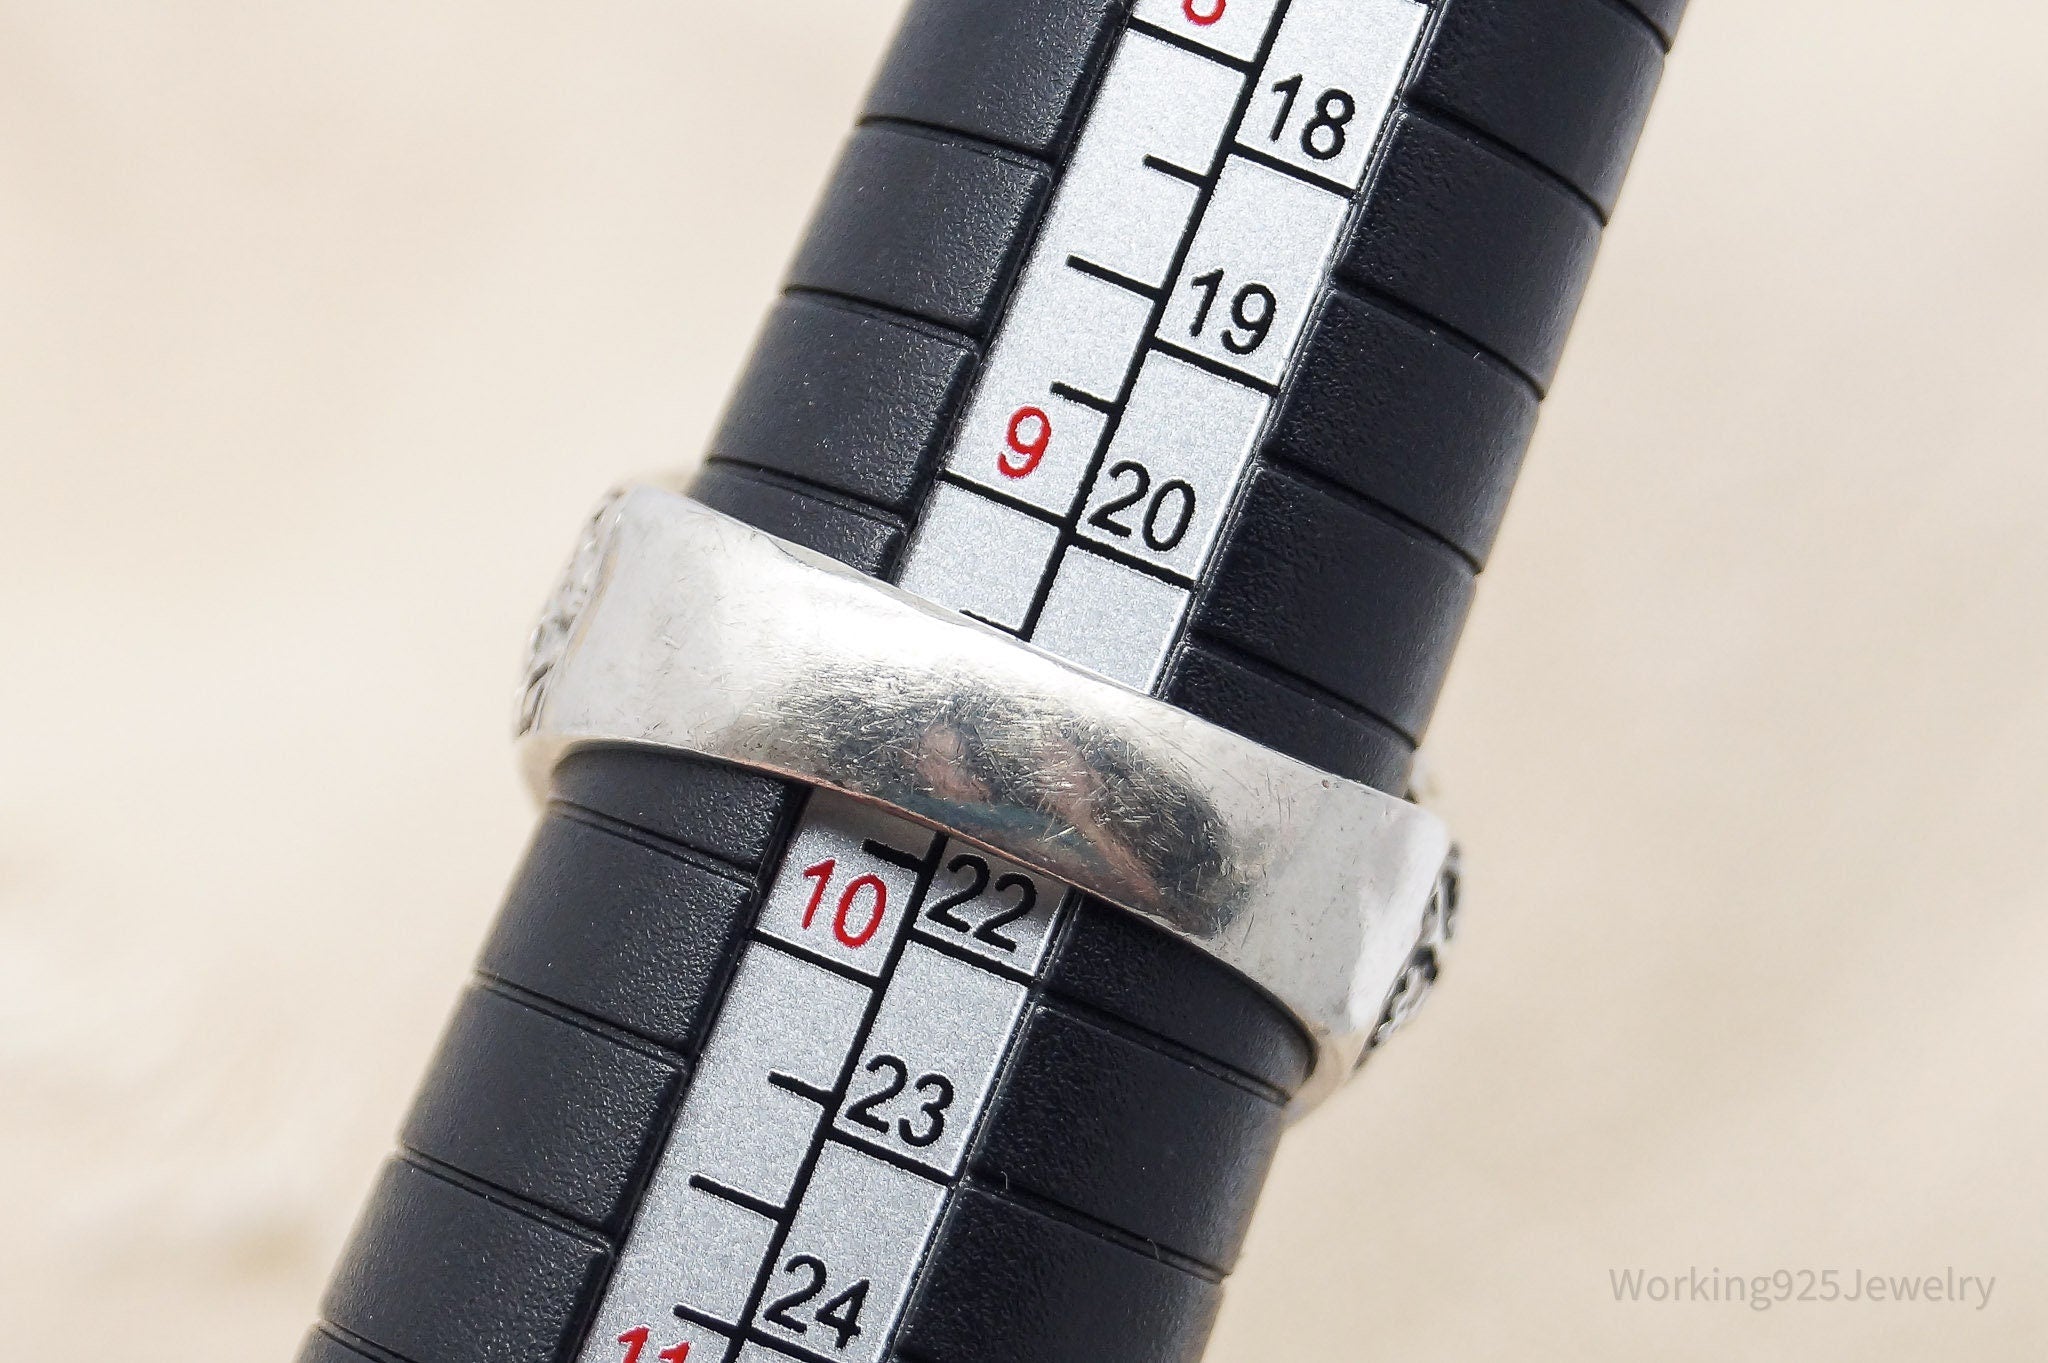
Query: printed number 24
x=840, y=1315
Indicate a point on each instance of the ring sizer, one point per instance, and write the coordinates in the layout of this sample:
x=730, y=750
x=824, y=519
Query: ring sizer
x=971, y=822
x=678, y=627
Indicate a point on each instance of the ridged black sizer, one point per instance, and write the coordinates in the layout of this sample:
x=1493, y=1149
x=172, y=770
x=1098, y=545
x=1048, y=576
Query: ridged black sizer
x=1008, y=1283
x=1267, y=706
x=555, y=1113
x=321, y=1347
x=1383, y=642
x=855, y=401
x=1011, y=74
x=625, y=932
x=1566, y=83
x=1144, y=1142
x=438, y=1273
x=919, y=224
x=1409, y=418
x=728, y=813
x=1118, y=964
x=1663, y=15
x=1476, y=240
x=839, y=528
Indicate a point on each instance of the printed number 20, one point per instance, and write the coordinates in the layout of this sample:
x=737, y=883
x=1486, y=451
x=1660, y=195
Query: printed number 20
x=1168, y=513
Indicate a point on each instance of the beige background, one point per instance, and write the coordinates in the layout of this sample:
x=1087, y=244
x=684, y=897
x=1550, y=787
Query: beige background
x=320, y=324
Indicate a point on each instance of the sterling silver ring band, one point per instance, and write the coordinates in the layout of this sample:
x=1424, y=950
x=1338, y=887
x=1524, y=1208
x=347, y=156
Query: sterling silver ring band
x=681, y=628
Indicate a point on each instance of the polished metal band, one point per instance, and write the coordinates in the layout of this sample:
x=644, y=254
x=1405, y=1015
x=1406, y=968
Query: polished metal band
x=678, y=627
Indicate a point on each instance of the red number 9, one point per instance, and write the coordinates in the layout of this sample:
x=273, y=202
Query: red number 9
x=1197, y=15
x=1030, y=433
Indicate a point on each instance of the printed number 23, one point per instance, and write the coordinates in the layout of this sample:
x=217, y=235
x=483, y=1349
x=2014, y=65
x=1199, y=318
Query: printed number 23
x=935, y=1089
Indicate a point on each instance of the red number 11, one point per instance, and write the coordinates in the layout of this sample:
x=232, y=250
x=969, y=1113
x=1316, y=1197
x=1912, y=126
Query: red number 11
x=635, y=1340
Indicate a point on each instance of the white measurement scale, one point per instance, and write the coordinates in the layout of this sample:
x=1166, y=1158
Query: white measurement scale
x=1184, y=253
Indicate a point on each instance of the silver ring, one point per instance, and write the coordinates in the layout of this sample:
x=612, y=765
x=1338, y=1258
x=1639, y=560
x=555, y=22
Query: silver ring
x=679, y=627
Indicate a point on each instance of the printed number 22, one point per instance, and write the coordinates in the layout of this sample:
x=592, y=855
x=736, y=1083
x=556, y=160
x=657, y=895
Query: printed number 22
x=991, y=930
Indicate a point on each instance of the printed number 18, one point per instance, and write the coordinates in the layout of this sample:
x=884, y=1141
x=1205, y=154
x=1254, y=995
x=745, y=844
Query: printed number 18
x=1323, y=136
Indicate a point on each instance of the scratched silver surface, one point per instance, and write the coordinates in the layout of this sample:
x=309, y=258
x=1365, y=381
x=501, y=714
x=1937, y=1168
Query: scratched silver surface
x=705, y=635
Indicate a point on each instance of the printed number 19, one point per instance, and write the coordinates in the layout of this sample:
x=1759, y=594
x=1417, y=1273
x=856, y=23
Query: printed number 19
x=1252, y=310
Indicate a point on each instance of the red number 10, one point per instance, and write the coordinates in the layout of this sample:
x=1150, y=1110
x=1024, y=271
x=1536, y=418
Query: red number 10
x=849, y=903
